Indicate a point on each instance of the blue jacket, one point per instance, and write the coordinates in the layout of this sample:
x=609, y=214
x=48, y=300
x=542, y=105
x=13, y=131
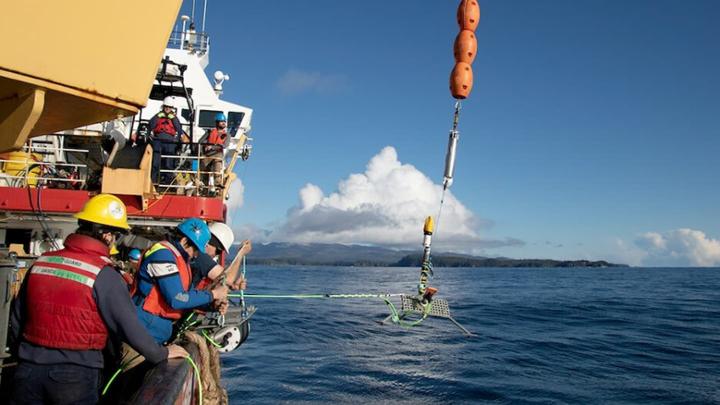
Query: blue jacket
x=159, y=268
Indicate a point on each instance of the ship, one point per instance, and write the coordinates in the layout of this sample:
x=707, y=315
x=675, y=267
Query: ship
x=74, y=114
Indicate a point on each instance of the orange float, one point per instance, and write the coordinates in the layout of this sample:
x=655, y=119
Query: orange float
x=465, y=46
x=468, y=15
x=461, y=80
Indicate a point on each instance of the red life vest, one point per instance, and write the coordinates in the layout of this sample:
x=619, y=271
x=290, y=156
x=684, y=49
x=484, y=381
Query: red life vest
x=61, y=310
x=164, y=124
x=216, y=141
x=217, y=137
x=154, y=302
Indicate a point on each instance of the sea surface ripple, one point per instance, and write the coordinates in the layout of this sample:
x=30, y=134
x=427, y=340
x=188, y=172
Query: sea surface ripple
x=542, y=336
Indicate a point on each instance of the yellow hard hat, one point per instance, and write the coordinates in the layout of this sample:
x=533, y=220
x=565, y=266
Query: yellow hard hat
x=105, y=209
x=113, y=250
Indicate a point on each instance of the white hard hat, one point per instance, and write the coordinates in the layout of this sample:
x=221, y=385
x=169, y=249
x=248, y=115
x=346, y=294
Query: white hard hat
x=223, y=233
x=170, y=101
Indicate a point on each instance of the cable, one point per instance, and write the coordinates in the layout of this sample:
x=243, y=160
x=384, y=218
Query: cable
x=197, y=377
x=312, y=296
x=210, y=339
x=188, y=358
x=119, y=370
x=396, y=316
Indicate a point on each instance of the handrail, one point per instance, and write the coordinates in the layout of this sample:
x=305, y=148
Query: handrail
x=32, y=171
x=190, y=41
x=197, y=179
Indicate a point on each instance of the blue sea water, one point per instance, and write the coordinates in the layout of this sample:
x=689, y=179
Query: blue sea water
x=612, y=335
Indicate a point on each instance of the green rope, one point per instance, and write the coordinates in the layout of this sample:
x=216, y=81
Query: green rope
x=119, y=370
x=211, y=340
x=197, y=376
x=188, y=358
x=242, y=292
x=107, y=386
x=186, y=324
x=306, y=296
x=397, y=318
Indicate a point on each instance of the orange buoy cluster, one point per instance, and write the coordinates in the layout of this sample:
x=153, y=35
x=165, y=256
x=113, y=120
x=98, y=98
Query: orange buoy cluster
x=461, y=78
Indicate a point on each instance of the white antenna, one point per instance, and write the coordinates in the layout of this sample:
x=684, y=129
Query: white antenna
x=204, y=12
x=192, y=13
x=183, y=34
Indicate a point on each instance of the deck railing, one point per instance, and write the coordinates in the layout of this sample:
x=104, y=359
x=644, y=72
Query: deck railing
x=192, y=172
x=33, y=169
x=197, y=42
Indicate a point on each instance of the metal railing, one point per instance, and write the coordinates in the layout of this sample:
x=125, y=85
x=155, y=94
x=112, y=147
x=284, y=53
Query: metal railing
x=32, y=170
x=197, y=42
x=192, y=172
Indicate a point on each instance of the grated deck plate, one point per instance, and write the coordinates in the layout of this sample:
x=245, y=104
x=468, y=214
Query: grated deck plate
x=439, y=307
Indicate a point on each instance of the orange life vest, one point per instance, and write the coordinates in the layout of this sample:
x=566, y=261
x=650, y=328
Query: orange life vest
x=154, y=301
x=215, y=140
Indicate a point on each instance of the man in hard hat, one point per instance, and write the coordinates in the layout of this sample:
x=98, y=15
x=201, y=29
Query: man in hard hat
x=205, y=266
x=70, y=305
x=166, y=134
x=215, y=142
x=134, y=259
x=162, y=291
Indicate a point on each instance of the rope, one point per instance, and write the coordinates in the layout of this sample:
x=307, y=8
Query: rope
x=197, y=378
x=425, y=272
x=397, y=318
x=313, y=296
x=117, y=373
x=242, y=292
x=211, y=340
x=107, y=386
x=208, y=362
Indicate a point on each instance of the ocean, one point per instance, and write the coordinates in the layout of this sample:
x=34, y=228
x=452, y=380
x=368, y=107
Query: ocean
x=542, y=336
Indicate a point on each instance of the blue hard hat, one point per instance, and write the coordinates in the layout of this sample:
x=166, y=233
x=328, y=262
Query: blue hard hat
x=197, y=231
x=220, y=117
x=134, y=255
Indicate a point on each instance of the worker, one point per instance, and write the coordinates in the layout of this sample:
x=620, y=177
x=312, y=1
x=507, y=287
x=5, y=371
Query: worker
x=215, y=142
x=206, y=267
x=134, y=258
x=162, y=290
x=120, y=265
x=71, y=303
x=190, y=38
x=166, y=134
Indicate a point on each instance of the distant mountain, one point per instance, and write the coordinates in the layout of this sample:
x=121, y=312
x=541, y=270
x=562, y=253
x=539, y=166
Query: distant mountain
x=335, y=254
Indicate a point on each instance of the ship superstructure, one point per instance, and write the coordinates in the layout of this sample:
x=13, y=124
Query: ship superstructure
x=51, y=176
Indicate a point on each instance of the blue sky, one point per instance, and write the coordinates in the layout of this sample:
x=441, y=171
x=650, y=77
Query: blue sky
x=591, y=131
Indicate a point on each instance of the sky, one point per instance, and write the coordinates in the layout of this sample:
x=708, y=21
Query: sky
x=591, y=131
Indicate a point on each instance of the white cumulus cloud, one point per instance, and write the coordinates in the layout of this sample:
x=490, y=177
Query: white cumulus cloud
x=680, y=247
x=385, y=205
x=235, y=200
x=297, y=81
